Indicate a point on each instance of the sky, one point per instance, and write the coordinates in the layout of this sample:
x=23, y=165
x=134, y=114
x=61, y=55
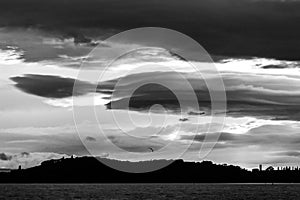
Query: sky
x=46, y=48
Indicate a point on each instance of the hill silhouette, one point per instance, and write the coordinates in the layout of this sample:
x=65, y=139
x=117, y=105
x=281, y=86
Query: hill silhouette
x=90, y=170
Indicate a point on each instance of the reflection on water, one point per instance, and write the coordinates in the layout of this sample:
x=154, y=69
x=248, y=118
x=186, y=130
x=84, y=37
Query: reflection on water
x=149, y=191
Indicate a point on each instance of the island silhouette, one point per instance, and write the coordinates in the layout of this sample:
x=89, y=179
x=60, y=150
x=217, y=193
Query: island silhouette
x=90, y=170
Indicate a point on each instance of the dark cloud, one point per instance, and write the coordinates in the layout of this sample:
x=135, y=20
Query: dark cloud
x=269, y=139
x=51, y=86
x=183, y=119
x=289, y=153
x=274, y=67
x=150, y=94
x=91, y=139
x=224, y=27
x=146, y=96
x=247, y=95
x=257, y=98
x=223, y=137
x=196, y=113
x=25, y=154
x=5, y=157
x=132, y=144
x=34, y=45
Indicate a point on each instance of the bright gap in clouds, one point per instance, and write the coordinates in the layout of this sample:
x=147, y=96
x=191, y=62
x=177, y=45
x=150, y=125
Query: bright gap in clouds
x=260, y=66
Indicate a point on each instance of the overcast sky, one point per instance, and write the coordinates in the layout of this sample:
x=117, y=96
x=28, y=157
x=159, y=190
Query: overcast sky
x=255, y=46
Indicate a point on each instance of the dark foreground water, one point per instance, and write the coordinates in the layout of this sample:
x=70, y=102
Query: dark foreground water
x=149, y=191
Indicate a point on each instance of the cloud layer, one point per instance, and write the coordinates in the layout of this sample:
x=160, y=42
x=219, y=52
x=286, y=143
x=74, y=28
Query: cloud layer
x=51, y=86
x=223, y=27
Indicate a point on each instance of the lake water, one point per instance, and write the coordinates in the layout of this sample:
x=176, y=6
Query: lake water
x=149, y=191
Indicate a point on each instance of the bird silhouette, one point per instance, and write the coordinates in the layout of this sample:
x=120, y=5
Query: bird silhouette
x=183, y=119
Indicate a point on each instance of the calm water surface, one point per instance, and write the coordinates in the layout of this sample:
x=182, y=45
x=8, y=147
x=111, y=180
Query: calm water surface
x=149, y=191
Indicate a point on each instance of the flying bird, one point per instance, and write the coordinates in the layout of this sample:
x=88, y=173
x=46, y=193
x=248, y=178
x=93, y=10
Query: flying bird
x=151, y=149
